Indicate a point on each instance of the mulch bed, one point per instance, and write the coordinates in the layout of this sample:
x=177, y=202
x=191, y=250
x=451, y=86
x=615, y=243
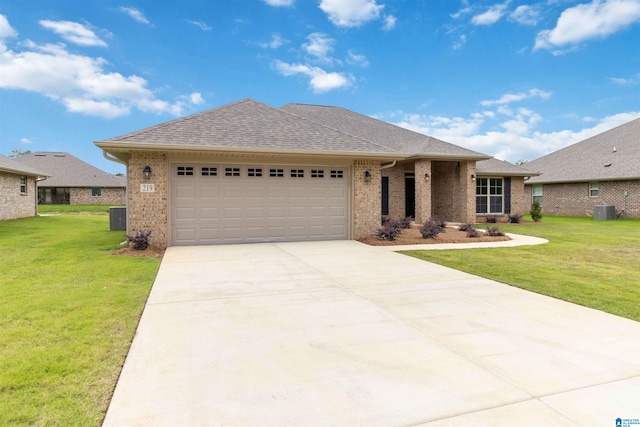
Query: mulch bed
x=150, y=252
x=412, y=236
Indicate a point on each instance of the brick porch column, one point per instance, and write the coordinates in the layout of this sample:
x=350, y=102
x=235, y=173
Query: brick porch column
x=423, y=190
x=367, y=198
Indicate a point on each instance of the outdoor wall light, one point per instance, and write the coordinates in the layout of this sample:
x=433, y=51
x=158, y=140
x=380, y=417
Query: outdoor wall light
x=367, y=176
x=146, y=172
x=473, y=177
x=426, y=177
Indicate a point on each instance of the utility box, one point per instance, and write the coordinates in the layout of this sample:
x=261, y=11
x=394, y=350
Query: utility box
x=117, y=218
x=604, y=212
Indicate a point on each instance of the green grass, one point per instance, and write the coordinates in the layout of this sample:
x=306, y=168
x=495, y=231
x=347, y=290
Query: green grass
x=588, y=262
x=73, y=208
x=68, y=313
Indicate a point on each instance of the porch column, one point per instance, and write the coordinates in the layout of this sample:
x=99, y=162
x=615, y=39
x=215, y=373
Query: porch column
x=423, y=177
x=467, y=201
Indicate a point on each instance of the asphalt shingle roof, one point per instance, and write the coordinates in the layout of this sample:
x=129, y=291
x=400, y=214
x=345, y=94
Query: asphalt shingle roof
x=13, y=166
x=611, y=155
x=246, y=125
x=385, y=134
x=66, y=170
x=497, y=167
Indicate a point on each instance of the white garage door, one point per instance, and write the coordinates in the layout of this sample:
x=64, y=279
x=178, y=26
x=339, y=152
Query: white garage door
x=218, y=203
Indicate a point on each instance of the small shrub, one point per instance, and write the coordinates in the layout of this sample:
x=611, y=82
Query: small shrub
x=472, y=232
x=431, y=229
x=385, y=219
x=494, y=231
x=491, y=219
x=465, y=227
x=515, y=218
x=536, y=211
x=140, y=241
x=440, y=222
x=404, y=222
x=389, y=231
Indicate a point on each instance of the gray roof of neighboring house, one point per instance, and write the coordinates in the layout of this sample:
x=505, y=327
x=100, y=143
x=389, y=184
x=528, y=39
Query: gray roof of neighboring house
x=248, y=126
x=497, y=167
x=610, y=156
x=385, y=134
x=13, y=166
x=66, y=170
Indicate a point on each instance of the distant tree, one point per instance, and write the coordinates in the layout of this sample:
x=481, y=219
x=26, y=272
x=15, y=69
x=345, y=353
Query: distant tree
x=16, y=152
x=522, y=162
x=119, y=174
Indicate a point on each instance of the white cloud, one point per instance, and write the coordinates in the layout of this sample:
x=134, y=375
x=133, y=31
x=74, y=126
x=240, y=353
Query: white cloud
x=279, y=3
x=319, y=80
x=26, y=141
x=492, y=15
x=526, y=15
x=79, y=82
x=356, y=59
x=583, y=22
x=135, y=14
x=6, y=30
x=634, y=80
x=203, y=26
x=319, y=46
x=515, y=97
x=73, y=32
x=462, y=40
x=351, y=13
x=196, y=98
x=275, y=42
x=389, y=23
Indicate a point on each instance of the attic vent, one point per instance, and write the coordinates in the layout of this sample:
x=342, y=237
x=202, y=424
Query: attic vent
x=606, y=165
x=40, y=155
x=614, y=149
x=58, y=155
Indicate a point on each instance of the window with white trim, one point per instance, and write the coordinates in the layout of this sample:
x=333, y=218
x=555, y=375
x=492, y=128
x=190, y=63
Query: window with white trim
x=489, y=195
x=594, y=189
x=23, y=185
x=96, y=191
x=536, y=194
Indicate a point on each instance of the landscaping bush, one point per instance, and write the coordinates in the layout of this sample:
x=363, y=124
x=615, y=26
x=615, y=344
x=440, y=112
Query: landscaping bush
x=494, y=231
x=515, y=218
x=404, y=222
x=431, y=229
x=465, y=227
x=140, y=241
x=536, y=212
x=491, y=219
x=469, y=228
x=389, y=231
x=440, y=222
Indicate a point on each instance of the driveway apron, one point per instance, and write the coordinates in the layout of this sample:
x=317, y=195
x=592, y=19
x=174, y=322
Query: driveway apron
x=345, y=334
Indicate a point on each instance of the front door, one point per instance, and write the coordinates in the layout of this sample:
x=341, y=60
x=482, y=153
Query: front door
x=410, y=196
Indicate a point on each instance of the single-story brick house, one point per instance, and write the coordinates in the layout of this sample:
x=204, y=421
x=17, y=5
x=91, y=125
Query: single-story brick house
x=18, y=189
x=74, y=182
x=249, y=172
x=601, y=170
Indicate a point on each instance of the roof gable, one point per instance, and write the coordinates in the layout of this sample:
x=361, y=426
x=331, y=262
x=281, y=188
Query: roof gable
x=611, y=155
x=497, y=167
x=246, y=125
x=66, y=170
x=394, y=137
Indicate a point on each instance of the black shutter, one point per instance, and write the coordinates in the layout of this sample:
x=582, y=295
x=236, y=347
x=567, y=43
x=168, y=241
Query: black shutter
x=507, y=195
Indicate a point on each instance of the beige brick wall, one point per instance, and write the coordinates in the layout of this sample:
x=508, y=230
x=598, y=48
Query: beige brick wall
x=453, y=191
x=572, y=199
x=423, y=190
x=13, y=204
x=148, y=211
x=108, y=196
x=367, y=199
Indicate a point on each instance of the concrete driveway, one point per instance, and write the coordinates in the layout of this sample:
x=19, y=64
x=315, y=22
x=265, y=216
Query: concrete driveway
x=340, y=333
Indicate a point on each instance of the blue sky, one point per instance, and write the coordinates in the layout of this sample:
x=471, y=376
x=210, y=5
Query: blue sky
x=514, y=79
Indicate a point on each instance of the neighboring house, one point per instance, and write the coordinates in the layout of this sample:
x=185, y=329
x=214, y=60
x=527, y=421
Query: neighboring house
x=73, y=181
x=17, y=189
x=601, y=170
x=248, y=172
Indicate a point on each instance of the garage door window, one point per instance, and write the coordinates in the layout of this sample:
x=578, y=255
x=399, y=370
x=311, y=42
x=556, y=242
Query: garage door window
x=185, y=170
x=297, y=173
x=337, y=174
x=276, y=173
x=207, y=171
x=317, y=173
x=254, y=172
x=231, y=171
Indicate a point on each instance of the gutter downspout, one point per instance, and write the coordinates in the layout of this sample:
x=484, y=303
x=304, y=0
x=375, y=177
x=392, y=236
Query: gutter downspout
x=38, y=179
x=388, y=165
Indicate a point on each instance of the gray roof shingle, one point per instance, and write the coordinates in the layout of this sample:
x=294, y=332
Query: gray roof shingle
x=66, y=170
x=385, y=134
x=248, y=125
x=611, y=155
x=13, y=166
x=497, y=167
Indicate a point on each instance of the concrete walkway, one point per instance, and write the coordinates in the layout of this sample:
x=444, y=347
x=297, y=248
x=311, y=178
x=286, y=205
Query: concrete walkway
x=345, y=334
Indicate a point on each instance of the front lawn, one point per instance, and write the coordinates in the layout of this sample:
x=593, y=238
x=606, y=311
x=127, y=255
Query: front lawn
x=68, y=313
x=44, y=209
x=588, y=262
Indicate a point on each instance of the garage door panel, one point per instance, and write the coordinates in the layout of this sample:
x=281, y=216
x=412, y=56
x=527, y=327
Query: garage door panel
x=282, y=204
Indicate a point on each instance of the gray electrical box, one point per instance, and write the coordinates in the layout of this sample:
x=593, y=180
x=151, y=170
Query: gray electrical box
x=117, y=218
x=604, y=213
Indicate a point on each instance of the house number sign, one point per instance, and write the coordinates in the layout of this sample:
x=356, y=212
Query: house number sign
x=147, y=188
